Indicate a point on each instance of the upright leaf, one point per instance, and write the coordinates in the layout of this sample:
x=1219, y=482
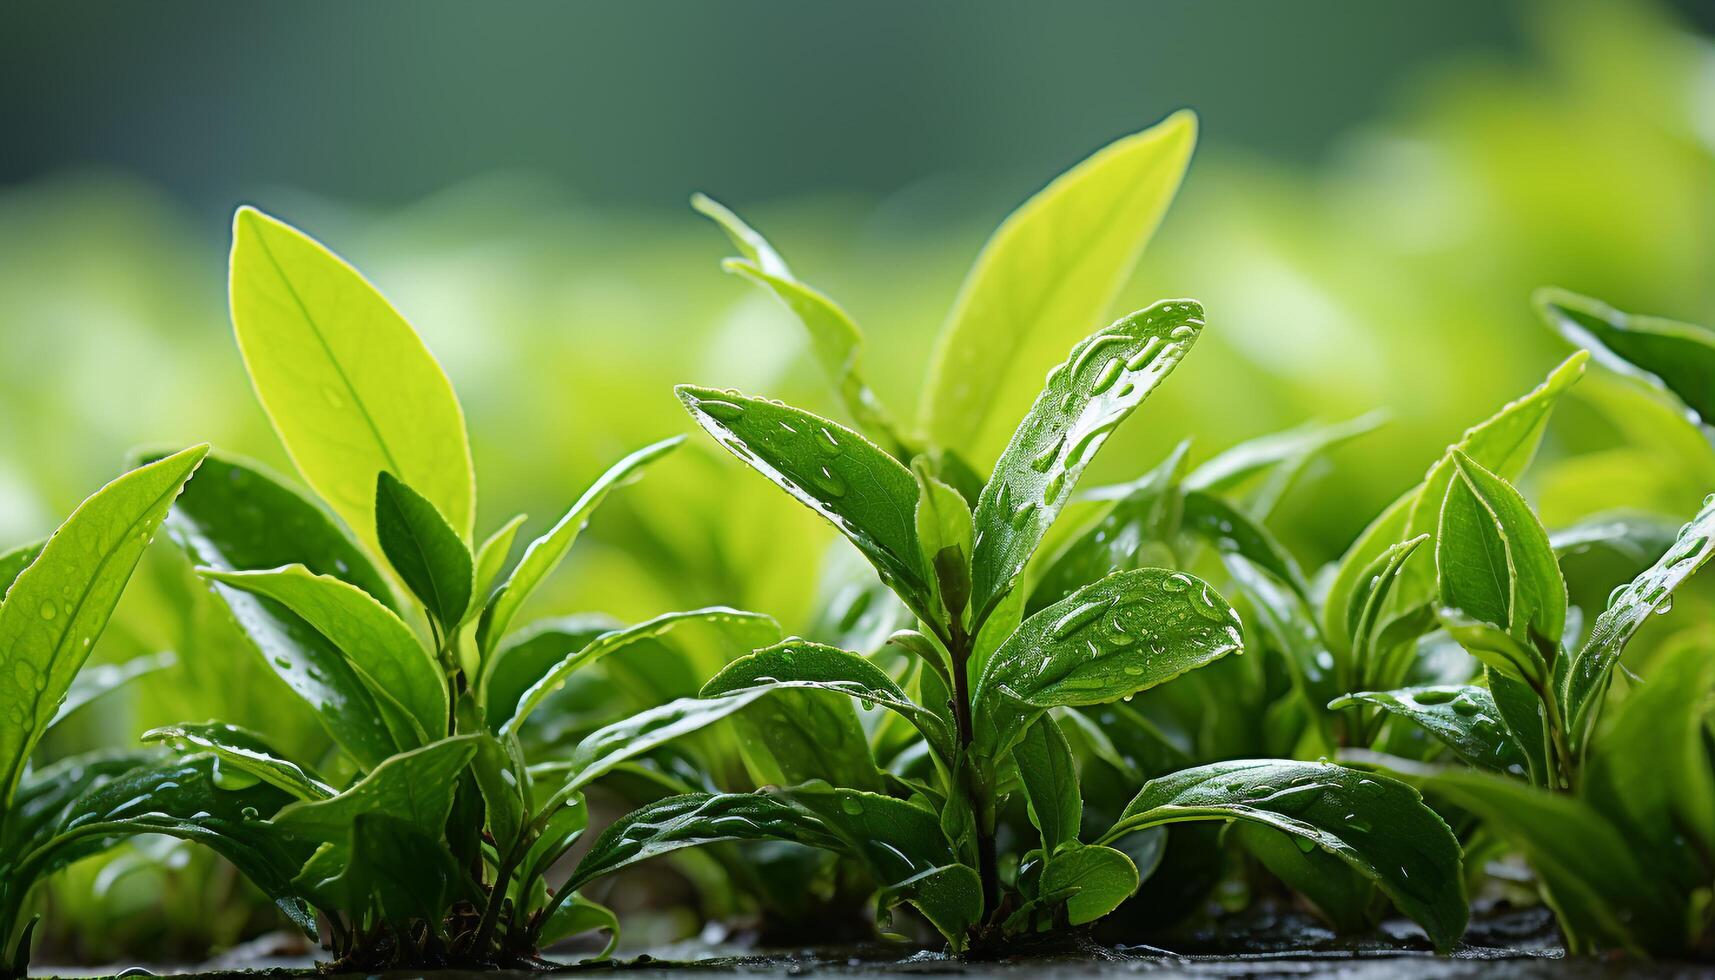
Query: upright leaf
x=348, y=385
x=1539, y=600
x=1053, y=266
x=1232, y=467
x=423, y=548
x=865, y=493
x=1377, y=825
x=490, y=561
x=415, y=786
x=60, y=603
x=528, y=654
x=1231, y=531
x=1679, y=357
x=1050, y=778
x=1107, y=375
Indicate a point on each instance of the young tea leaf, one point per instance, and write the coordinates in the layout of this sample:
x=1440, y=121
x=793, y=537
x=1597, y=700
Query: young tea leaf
x=423, y=548
x=490, y=561
x=1679, y=357
x=1050, y=777
x=1107, y=375
x=415, y=786
x=1539, y=599
x=348, y=385
x=1052, y=266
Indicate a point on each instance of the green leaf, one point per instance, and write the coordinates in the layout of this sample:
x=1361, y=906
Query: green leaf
x=896, y=840
x=1343, y=896
x=546, y=552
x=239, y=749
x=1107, y=375
x=834, y=339
x=393, y=863
x=13, y=563
x=381, y=649
x=944, y=534
x=856, y=486
x=747, y=630
x=804, y=734
x=1539, y=589
x=1366, y=605
x=1231, y=468
x=579, y=914
x=1286, y=620
x=1599, y=892
x=1679, y=357
x=1052, y=267
x=1504, y=443
x=58, y=605
x=1050, y=778
x=348, y=385
x=1124, y=634
x=1096, y=880
x=1628, y=609
x=528, y=654
x=94, y=682
x=1232, y=532
x=1377, y=825
x=1465, y=717
x=41, y=804
x=501, y=777
x=1526, y=718
x=491, y=561
x=800, y=664
x=1480, y=587
x=415, y=786
x=423, y=548
x=950, y=897
x=233, y=516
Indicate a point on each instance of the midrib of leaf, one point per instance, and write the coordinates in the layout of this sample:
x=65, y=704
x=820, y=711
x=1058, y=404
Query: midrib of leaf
x=59, y=645
x=989, y=392
x=316, y=330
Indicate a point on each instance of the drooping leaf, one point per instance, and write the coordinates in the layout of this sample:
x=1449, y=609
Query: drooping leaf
x=835, y=340
x=1589, y=876
x=1124, y=634
x=801, y=664
x=60, y=603
x=578, y=914
x=546, y=552
x=234, y=517
x=1094, y=878
x=415, y=786
x=896, y=840
x=1105, y=378
x=1052, y=268
x=950, y=897
x=748, y=630
x=386, y=860
x=349, y=386
x=1504, y=443
x=1628, y=609
x=245, y=751
x=1050, y=777
x=381, y=649
x=1232, y=467
x=1464, y=717
x=1679, y=357
x=102, y=679
x=1343, y=896
x=40, y=805
x=802, y=734
x=1231, y=531
x=423, y=548
x=860, y=489
x=528, y=654
x=1377, y=825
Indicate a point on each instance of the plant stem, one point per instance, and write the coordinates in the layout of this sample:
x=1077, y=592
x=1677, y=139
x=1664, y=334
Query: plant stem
x=496, y=898
x=959, y=645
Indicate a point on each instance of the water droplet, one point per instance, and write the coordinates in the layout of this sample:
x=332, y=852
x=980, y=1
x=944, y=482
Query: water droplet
x=49, y=610
x=827, y=442
x=1305, y=844
x=249, y=813
x=1144, y=356
x=851, y=806
x=1463, y=705
x=721, y=411
x=1183, y=331
x=1078, y=618
x=1110, y=374
x=1095, y=345
x=1044, y=459
x=1614, y=596
x=829, y=482
x=1665, y=606
x=1022, y=515
x=1176, y=583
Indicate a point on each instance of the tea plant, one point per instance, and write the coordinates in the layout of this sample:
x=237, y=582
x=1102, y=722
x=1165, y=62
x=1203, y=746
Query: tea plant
x=1617, y=820
x=990, y=682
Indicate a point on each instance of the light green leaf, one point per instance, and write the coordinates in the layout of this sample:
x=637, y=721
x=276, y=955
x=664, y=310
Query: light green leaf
x=383, y=651
x=1107, y=375
x=1124, y=634
x=1526, y=719
x=1052, y=268
x=1539, y=589
x=578, y=914
x=58, y=605
x=835, y=340
x=13, y=563
x=415, y=786
x=245, y=751
x=944, y=534
x=422, y=547
x=94, y=682
x=1050, y=778
x=348, y=384
x=1232, y=467
x=1465, y=717
x=1377, y=825
x=865, y=493
x=1628, y=609
x=491, y=558
x=1366, y=605
x=1679, y=357
x=530, y=653
x=1096, y=880
x=747, y=629
x=1479, y=586
x=546, y=552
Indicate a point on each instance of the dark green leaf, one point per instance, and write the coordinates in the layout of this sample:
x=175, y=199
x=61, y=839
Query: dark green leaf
x=1050, y=778
x=1102, y=381
x=1464, y=717
x=1234, y=533
x=423, y=548
x=246, y=752
x=1377, y=825
x=415, y=786
x=1343, y=896
x=1677, y=356
x=578, y=914
x=805, y=734
x=1526, y=718
x=530, y=653
x=1094, y=878
x=58, y=605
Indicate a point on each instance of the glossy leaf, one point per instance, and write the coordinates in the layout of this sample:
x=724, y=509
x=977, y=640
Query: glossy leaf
x=1051, y=269
x=748, y=630
x=1050, y=777
x=578, y=914
x=865, y=493
x=60, y=603
x=415, y=786
x=490, y=561
x=1526, y=719
x=944, y=533
x=1464, y=717
x=1628, y=609
x=528, y=654
x=546, y=552
x=1231, y=531
x=1367, y=605
x=1105, y=378
x=423, y=548
x=801, y=734
x=1377, y=825
x=1232, y=467
x=1094, y=878
x=835, y=340
x=1679, y=357
x=382, y=650
x=348, y=385
x=13, y=563
x=1124, y=634
x=234, y=516
x=1539, y=589
x=246, y=752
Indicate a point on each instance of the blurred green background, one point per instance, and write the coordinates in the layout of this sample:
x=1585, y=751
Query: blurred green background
x=1378, y=190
